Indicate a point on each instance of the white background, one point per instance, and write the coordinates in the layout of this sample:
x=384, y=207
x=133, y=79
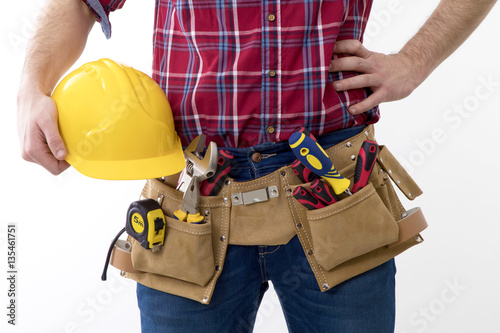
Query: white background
x=447, y=284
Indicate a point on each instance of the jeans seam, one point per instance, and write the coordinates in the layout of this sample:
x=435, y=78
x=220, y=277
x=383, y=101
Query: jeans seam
x=263, y=253
x=262, y=263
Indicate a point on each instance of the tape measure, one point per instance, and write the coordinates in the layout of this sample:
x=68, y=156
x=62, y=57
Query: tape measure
x=146, y=224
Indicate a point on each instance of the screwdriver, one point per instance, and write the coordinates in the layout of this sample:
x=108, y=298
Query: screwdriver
x=305, y=175
x=313, y=156
x=364, y=164
x=306, y=198
x=322, y=191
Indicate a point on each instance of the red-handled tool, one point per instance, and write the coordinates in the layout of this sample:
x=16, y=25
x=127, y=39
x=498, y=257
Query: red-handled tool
x=306, y=198
x=305, y=175
x=364, y=165
x=212, y=185
x=322, y=191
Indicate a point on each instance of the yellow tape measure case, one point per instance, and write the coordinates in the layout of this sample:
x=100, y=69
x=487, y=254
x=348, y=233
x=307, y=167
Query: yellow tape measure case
x=146, y=223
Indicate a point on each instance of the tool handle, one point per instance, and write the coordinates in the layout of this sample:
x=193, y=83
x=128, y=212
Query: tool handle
x=307, y=132
x=322, y=191
x=212, y=185
x=367, y=157
x=306, y=198
x=312, y=155
x=189, y=218
x=305, y=175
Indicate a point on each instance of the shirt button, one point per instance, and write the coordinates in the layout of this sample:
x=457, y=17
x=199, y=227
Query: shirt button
x=270, y=130
x=272, y=73
x=271, y=17
x=256, y=157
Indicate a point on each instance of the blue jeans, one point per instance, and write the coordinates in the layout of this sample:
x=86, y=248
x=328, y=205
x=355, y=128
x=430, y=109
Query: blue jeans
x=365, y=303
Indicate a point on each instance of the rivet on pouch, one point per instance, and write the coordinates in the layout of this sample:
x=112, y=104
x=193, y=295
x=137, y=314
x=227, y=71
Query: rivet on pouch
x=217, y=268
x=348, y=144
x=325, y=286
x=283, y=173
x=398, y=182
x=390, y=172
x=288, y=191
x=353, y=157
x=410, y=195
x=298, y=225
x=222, y=238
x=160, y=200
x=224, y=200
x=310, y=252
x=205, y=300
x=207, y=213
x=227, y=182
x=419, y=239
x=122, y=274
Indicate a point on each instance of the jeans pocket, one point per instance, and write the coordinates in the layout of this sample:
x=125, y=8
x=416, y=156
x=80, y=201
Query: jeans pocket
x=351, y=227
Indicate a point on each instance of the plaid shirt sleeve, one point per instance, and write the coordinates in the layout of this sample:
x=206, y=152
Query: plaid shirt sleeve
x=101, y=10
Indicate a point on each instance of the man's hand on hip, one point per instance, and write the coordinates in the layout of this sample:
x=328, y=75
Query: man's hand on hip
x=390, y=77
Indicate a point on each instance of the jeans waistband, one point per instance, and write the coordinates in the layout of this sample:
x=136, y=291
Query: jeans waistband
x=260, y=160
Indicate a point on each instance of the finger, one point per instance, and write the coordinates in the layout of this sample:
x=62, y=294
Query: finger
x=356, y=82
x=351, y=46
x=367, y=104
x=354, y=64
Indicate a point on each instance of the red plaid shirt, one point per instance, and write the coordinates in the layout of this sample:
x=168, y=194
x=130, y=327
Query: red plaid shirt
x=245, y=72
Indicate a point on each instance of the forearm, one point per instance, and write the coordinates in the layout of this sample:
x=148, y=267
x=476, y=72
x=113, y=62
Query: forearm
x=446, y=29
x=59, y=39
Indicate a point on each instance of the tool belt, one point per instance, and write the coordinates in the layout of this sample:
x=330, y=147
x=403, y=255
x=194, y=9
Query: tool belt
x=340, y=241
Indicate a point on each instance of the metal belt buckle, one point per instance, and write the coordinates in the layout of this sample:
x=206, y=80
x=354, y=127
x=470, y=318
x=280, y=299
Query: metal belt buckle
x=248, y=198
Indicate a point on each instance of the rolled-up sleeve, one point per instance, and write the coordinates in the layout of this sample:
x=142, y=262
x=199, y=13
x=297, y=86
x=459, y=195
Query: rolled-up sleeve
x=101, y=10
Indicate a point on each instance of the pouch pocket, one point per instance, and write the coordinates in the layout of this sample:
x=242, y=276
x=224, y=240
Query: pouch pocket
x=186, y=255
x=351, y=227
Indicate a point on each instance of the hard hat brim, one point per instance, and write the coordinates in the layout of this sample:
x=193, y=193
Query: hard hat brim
x=155, y=167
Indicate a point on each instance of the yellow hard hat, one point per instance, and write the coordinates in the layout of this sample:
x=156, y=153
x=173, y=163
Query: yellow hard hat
x=116, y=123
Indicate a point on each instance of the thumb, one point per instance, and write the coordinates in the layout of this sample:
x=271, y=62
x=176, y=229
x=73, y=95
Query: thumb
x=50, y=130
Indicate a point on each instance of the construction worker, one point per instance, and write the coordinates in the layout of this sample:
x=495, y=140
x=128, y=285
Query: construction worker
x=248, y=74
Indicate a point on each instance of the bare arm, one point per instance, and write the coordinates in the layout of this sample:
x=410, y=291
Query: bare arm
x=59, y=39
x=395, y=76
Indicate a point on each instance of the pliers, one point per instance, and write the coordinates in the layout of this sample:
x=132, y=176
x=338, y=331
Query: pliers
x=189, y=209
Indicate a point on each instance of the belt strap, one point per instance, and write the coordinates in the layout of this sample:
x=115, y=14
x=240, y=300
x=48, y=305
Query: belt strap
x=411, y=225
x=122, y=257
x=398, y=174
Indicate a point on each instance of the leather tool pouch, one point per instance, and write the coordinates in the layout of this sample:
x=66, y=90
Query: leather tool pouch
x=340, y=241
x=360, y=231
x=352, y=227
x=187, y=254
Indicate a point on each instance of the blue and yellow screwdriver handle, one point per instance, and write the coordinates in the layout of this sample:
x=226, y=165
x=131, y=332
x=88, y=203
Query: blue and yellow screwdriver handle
x=313, y=156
